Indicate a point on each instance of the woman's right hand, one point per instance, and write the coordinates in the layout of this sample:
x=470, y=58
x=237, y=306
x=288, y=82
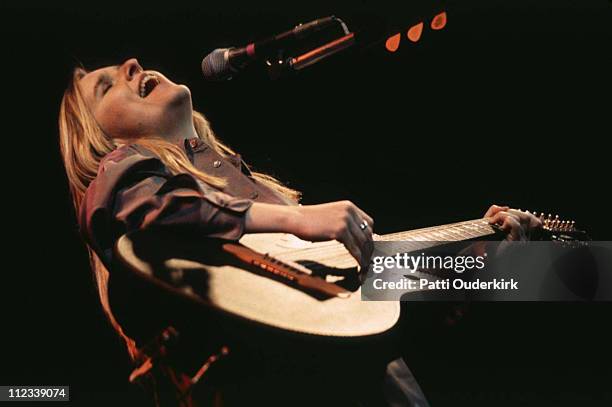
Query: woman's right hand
x=342, y=221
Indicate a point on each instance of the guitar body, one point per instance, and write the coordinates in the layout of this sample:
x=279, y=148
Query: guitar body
x=200, y=270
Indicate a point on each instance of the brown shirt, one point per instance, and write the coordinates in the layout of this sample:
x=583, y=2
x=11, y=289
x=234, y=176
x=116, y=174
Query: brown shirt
x=133, y=190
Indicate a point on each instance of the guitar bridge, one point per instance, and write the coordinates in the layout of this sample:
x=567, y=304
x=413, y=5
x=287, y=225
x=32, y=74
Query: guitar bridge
x=295, y=274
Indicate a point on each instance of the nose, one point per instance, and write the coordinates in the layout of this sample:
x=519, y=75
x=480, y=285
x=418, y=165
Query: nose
x=130, y=68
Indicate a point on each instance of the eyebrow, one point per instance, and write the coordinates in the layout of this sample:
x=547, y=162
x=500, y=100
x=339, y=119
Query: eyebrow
x=103, y=77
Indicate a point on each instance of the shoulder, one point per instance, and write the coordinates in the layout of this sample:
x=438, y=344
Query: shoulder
x=124, y=157
x=127, y=164
x=122, y=167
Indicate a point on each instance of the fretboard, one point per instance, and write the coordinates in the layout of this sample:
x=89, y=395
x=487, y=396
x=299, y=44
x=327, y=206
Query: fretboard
x=471, y=229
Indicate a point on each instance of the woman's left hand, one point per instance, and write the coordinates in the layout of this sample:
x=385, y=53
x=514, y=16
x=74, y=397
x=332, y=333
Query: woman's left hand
x=517, y=224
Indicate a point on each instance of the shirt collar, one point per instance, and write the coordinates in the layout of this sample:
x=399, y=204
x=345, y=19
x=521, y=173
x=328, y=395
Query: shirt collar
x=195, y=144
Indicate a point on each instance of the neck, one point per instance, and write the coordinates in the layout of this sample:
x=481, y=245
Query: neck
x=177, y=134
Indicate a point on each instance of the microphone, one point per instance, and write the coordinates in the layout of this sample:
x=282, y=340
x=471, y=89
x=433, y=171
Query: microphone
x=222, y=63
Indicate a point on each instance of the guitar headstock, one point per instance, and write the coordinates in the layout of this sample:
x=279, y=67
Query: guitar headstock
x=554, y=228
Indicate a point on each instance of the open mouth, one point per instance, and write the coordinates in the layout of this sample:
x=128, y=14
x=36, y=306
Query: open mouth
x=147, y=84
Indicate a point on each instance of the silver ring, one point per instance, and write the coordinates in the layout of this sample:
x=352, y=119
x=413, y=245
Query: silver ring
x=364, y=225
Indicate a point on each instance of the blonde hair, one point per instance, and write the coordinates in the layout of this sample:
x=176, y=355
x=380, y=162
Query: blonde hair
x=83, y=145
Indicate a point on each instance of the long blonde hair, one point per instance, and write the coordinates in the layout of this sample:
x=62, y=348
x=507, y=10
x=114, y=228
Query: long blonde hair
x=83, y=145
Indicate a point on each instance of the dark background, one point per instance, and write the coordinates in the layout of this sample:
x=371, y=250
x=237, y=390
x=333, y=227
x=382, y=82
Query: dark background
x=508, y=104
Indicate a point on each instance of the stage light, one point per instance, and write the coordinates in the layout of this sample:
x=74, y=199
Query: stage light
x=414, y=32
x=439, y=21
x=393, y=42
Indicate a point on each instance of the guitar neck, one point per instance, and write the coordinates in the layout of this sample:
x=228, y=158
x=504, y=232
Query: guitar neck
x=467, y=230
x=420, y=239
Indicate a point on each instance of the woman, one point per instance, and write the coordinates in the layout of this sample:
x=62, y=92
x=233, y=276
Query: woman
x=138, y=156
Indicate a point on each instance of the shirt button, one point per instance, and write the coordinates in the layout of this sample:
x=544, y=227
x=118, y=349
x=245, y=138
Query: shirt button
x=193, y=142
x=217, y=164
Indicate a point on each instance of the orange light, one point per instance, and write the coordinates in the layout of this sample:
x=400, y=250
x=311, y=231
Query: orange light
x=414, y=32
x=439, y=21
x=393, y=42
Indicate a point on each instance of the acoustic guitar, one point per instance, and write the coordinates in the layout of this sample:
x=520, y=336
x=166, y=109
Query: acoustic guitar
x=286, y=283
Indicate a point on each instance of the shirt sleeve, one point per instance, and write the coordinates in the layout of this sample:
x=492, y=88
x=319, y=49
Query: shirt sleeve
x=134, y=190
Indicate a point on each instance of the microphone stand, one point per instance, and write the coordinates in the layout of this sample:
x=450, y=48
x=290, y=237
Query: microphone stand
x=281, y=66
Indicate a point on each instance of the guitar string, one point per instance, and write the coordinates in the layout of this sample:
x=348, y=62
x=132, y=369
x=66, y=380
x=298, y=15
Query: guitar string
x=336, y=251
x=454, y=231
x=336, y=248
x=400, y=236
x=344, y=259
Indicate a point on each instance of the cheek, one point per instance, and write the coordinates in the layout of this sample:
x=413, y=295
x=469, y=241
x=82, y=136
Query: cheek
x=121, y=116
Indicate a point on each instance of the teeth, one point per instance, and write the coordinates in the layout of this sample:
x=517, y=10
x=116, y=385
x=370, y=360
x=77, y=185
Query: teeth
x=143, y=84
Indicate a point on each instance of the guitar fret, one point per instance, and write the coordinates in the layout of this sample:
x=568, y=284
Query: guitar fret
x=453, y=233
x=443, y=236
x=436, y=236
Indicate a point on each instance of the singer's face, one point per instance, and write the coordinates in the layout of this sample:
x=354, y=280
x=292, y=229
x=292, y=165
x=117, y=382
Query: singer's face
x=128, y=102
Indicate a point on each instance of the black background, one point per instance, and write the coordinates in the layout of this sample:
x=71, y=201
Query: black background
x=508, y=104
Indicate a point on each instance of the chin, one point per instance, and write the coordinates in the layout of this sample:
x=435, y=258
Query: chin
x=179, y=98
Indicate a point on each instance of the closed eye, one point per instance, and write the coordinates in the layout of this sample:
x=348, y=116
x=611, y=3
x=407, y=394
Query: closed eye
x=103, y=84
x=107, y=87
